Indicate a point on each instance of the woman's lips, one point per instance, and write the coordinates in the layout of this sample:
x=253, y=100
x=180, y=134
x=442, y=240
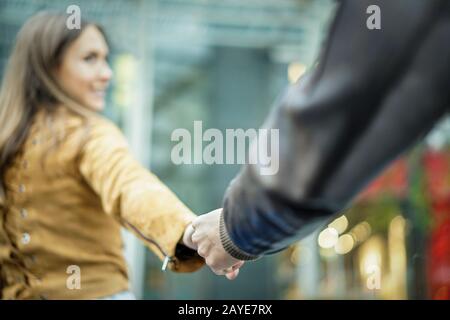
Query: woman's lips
x=99, y=93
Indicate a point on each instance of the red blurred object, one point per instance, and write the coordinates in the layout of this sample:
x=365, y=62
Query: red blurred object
x=437, y=172
x=393, y=181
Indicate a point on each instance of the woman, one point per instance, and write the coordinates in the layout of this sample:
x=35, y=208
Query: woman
x=68, y=181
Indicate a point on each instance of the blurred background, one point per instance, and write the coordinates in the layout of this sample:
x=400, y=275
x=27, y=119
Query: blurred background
x=224, y=63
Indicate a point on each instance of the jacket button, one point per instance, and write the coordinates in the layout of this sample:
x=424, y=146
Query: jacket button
x=21, y=188
x=34, y=141
x=23, y=213
x=31, y=260
x=26, y=238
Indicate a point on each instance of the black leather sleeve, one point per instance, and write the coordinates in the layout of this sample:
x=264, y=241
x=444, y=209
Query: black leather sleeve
x=373, y=94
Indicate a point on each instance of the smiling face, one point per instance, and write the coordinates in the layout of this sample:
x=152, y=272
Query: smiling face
x=84, y=73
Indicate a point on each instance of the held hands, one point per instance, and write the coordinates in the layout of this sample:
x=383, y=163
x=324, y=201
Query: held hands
x=203, y=235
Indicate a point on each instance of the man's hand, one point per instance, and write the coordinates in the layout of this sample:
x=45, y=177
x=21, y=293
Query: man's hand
x=206, y=238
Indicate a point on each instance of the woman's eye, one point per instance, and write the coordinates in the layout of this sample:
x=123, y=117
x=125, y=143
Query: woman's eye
x=90, y=58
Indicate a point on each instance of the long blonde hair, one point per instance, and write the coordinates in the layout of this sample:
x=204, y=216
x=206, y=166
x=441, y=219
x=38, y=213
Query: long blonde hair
x=29, y=81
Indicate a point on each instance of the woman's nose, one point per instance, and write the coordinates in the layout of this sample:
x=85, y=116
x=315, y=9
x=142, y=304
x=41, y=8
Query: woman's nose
x=106, y=72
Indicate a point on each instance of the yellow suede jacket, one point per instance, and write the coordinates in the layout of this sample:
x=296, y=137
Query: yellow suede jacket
x=68, y=191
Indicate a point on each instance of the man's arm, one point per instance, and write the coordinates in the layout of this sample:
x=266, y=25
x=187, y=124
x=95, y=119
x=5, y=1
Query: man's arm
x=373, y=94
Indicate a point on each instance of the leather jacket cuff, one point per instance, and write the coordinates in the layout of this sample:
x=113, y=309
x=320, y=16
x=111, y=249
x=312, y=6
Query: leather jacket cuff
x=230, y=247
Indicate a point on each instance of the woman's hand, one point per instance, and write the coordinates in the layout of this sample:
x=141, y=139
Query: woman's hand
x=206, y=237
x=187, y=237
x=230, y=273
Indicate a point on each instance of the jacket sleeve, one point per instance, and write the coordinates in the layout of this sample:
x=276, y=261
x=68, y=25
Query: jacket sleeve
x=136, y=197
x=373, y=94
